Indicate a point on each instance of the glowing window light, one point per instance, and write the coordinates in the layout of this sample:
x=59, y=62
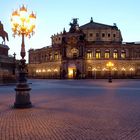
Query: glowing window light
x=94, y=69
x=115, y=54
x=98, y=55
x=89, y=68
x=123, y=69
x=114, y=69
x=89, y=54
x=131, y=69
x=55, y=70
x=123, y=54
x=43, y=70
x=107, y=53
x=104, y=69
x=49, y=70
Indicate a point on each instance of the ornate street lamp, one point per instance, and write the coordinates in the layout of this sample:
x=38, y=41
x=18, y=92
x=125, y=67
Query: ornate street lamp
x=22, y=25
x=109, y=65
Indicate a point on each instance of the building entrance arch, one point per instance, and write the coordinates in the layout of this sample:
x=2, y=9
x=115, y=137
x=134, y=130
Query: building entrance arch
x=72, y=71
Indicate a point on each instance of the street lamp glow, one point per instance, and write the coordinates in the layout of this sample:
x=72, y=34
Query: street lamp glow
x=23, y=24
x=109, y=65
x=123, y=69
x=94, y=69
x=131, y=69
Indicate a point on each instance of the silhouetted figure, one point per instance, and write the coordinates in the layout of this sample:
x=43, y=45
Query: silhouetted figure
x=14, y=66
x=63, y=74
x=78, y=74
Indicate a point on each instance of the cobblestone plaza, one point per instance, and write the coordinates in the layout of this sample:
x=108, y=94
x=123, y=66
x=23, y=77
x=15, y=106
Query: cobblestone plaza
x=73, y=110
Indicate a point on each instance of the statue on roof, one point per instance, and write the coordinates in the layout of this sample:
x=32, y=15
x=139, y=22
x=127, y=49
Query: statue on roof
x=114, y=24
x=3, y=33
x=91, y=20
x=74, y=25
x=64, y=31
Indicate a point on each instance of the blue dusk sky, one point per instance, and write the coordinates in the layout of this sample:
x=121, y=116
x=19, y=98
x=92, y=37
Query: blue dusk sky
x=54, y=15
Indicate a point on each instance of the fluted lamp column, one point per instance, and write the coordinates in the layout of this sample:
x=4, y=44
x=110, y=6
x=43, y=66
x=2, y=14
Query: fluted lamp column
x=22, y=25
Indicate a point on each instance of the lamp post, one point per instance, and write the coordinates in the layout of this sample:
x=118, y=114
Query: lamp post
x=22, y=25
x=109, y=65
x=94, y=70
x=131, y=74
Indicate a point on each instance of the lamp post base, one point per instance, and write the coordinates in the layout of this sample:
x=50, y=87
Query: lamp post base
x=22, y=96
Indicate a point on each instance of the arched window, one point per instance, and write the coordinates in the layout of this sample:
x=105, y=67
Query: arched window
x=56, y=56
x=123, y=54
x=98, y=54
x=115, y=54
x=89, y=54
x=91, y=35
x=75, y=52
x=50, y=56
x=103, y=34
x=107, y=54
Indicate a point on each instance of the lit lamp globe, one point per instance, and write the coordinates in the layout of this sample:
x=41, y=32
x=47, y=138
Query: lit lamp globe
x=109, y=64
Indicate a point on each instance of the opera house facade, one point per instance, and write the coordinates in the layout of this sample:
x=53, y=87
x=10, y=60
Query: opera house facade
x=84, y=51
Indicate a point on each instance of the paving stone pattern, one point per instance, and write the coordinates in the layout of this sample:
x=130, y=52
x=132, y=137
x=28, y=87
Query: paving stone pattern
x=73, y=110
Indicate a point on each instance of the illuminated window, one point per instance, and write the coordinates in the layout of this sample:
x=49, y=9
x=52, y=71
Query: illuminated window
x=107, y=53
x=89, y=54
x=123, y=69
x=115, y=54
x=50, y=56
x=98, y=54
x=123, y=54
x=56, y=56
x=75, y=52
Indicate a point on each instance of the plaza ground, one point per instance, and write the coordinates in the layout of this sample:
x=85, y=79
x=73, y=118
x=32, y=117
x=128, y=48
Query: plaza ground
x=73, y=110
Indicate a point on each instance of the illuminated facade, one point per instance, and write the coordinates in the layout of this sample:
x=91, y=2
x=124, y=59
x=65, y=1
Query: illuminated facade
x=84, y=51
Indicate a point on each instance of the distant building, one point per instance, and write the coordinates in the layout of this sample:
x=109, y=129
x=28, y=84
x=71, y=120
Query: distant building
x=84, y=51
x=7, y=65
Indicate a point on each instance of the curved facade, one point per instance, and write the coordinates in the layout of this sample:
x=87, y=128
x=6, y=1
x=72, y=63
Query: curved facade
x=84, y=51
